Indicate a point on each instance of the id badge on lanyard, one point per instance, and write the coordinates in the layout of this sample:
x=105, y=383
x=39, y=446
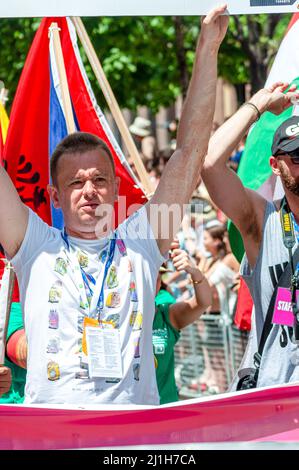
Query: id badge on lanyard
x=283, y=312
x=104, y=352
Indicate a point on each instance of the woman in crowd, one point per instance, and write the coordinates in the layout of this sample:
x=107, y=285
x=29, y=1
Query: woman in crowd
x=171, y=318
x=220, y=269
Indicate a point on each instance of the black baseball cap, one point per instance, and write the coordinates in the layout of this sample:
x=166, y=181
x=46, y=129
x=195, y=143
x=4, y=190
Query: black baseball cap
x=286, y=137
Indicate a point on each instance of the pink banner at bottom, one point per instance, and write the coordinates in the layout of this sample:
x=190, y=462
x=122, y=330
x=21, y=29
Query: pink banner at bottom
x=270, y=414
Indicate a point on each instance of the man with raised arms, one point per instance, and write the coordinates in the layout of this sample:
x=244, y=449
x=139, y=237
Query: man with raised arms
x=88, y=302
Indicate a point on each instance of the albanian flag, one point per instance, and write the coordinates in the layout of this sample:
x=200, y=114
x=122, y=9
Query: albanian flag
x=37, y=122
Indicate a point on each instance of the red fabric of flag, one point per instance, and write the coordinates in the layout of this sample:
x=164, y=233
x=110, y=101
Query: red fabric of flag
x=26, y=151
x=244, y=308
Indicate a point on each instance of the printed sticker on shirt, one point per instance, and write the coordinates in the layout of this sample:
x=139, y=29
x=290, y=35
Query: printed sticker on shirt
x=137, y=347
x=136, y=321
x=82, y=259
x=283, y=314
x=136, y=371
x=112, y=280
x=113, y=300
x=130, y=266
x=55, y=292
x=53, y=319
x=83, y=304
x=53, y=345
x=133, y=292
x=121, y=247
x=53, y=371
x=60, y=266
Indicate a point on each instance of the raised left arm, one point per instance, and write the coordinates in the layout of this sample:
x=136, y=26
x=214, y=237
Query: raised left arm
x=182, y=172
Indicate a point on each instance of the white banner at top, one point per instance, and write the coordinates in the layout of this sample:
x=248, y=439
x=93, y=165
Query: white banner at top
x=39, y=8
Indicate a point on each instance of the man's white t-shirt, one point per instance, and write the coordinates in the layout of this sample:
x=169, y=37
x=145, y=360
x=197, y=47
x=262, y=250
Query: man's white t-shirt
x=54, y=309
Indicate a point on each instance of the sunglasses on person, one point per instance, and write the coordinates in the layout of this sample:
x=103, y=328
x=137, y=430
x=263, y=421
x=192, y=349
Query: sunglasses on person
x=294, y=156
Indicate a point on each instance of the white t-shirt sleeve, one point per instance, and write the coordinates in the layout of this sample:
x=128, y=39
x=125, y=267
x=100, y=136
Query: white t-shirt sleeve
x=37, y=234
x=136, y=231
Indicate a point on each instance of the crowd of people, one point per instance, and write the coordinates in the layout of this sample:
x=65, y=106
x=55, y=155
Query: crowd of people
x=102, y=325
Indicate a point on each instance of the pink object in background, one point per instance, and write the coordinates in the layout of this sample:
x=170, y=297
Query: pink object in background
x=269, y=414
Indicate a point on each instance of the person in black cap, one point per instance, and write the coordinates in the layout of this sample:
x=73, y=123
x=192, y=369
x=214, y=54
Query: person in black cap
x=285, y=153
x=272, y=355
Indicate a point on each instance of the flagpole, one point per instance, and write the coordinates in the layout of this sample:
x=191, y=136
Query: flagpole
x=7, y=282
x=113, y=105
x=67, y=105
x=6, y=291
x=3, y=96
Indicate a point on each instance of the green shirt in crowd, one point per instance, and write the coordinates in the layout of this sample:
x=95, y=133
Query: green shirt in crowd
x=16, y=392
x=164, y=297
x=165, y=336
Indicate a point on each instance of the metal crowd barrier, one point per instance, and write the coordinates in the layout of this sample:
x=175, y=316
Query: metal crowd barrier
x=207, y=356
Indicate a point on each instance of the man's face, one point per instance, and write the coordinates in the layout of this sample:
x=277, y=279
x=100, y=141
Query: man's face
x=289, y=173
x=84, y=182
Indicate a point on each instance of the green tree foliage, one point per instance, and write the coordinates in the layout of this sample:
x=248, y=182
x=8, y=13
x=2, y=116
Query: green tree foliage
x=148, y=60
x=258, y=38
x=15, y=38
x=139, y=57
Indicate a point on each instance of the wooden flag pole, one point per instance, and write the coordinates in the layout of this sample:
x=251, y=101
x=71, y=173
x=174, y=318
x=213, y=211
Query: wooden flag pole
x=113, y=105
x=3, y=96
x=67, y=105
x=6, y=290
x=6, y=283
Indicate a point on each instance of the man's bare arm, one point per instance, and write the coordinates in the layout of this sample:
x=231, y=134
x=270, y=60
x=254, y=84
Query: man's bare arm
x=17, y=349
x=243, y=206
x=181, y=175
x=13, y=216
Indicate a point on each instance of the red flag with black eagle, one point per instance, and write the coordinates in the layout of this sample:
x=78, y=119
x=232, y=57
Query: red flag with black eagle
x=37, y=122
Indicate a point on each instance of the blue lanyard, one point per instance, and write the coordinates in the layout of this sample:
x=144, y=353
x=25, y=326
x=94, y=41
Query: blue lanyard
x=88, y=278
x=100, y=304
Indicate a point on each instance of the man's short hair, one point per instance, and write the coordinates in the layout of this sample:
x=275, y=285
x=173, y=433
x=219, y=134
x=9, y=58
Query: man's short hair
x=78, y=142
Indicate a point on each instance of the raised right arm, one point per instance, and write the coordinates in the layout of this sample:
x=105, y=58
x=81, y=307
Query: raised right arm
x=13, y=216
